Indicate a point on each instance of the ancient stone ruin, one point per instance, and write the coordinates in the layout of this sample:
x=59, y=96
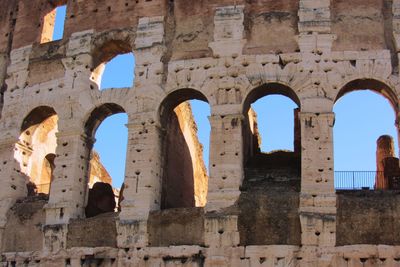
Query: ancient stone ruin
x=57, y=207
x=387, y=164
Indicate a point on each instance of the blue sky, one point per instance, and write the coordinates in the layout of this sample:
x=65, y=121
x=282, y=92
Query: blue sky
x=59, y=23
x=361, y=117
x=112, y=134
x=275, y=122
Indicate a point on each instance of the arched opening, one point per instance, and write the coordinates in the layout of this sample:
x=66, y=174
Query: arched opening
x=53, y=24
x=119, y=72
x=107, y=158
x=270, y=192
x=35, y=149
x=113, y=65
x=185, y=178
x=366, y=164
x=366, y=137
x=272, y=132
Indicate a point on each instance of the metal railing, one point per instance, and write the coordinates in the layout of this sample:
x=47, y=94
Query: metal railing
x=355, y=180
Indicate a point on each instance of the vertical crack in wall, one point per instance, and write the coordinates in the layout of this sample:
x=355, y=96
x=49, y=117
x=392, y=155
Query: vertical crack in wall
x=388, y=31
x=170, y=26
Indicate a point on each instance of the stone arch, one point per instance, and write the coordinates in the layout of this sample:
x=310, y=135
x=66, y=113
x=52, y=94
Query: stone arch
x=120, y=97
x=265, y=174
x=383, y=89
x=36, y=115
x=99, y=114
x=105, y=47
x=176, y=97
x=184, y=178
x=36, y=142
x=273, y=88
x=100, y=198
x=372, y=84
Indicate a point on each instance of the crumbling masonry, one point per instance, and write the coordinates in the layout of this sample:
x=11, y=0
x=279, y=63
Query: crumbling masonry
x=227, y=53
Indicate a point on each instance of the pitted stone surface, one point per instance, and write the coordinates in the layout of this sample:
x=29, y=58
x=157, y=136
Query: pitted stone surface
x=227, y=53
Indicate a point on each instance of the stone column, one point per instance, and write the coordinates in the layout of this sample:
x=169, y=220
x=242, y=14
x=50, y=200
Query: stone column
x=71, y=174
x=12, y=179
x=69, y=187
x=221, y=232
x=384, y=149
x=13, y=76
x=396, y=27
x=226, y=161
x=297, y=131
x=226, y=176
x=318, y=198
x=142, y=185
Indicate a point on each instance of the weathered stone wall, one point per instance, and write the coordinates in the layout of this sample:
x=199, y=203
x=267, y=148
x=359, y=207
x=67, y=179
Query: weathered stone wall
x=226, y=53
x=273, y=19
x=185, y=177
x=357, y=22
x=269, y=218
x=189, y=130
x=45, y=63
x=98, y=173
x=368, y=218
x=99, y=231
x=251, y=136
x=176, y=227
x=23, y=231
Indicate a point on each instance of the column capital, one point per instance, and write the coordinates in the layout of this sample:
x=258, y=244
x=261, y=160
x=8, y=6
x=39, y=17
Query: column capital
x=310, y=116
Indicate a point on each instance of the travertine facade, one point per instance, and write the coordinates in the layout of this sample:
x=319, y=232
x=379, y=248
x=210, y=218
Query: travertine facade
x=228, y=53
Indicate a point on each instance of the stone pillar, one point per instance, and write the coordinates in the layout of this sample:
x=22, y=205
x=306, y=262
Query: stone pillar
x=142, y=185
x=142, y=190
x=317, y=198
x=384, y=149
x=226, y=161
x=221, y=232
x=392, y=172
x=396, y=27
x=317, y=153
x=297, y=131
x=71, y=174
x=13, y=76
x=12, y=179
x=69, y=187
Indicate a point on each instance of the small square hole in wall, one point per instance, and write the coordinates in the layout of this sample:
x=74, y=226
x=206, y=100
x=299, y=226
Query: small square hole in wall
x=53, y=25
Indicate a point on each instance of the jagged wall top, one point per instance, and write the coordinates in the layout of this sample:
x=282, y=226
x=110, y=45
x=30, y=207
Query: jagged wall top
x=269, y=26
